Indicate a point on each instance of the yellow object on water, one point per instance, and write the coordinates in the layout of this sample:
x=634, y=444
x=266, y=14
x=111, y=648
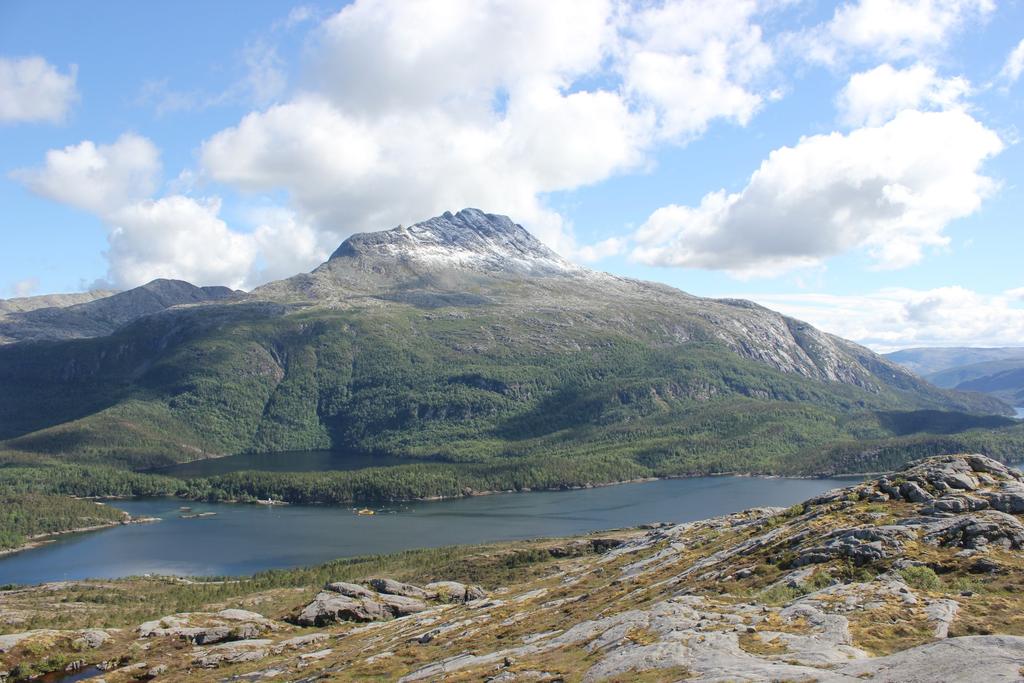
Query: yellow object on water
x=366, y=511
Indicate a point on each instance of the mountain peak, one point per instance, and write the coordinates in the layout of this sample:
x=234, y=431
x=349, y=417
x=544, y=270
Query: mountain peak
x=468, y=239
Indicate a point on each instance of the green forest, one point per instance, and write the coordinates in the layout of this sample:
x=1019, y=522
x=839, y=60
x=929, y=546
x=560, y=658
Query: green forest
x=551, y=401
x=25, y=515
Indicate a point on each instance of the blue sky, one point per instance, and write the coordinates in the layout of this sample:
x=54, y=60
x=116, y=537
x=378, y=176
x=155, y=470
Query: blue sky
x=854, y=164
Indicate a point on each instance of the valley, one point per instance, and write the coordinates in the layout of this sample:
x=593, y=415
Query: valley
x=467, y=386
x=490, y=341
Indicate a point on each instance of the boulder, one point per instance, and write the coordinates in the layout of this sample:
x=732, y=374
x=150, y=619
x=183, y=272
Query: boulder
x=958, y=504
x=1009, y=499
x=863, y=545
x=350, y=589
x=301, y=641
x=977, y=530
x=203, y=628
x=914, y=493
x=981, y=463
x=941, y=614
x=453, y=591
x=243, y=615
x=392, y=587
x=232, y=653
x=400, y=605
x=91, y=639
x=328, y=607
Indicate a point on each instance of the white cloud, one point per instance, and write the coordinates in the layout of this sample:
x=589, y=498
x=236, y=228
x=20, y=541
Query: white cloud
x=175, y=236
x=893, y=29
x=286, y=245
x=186, y=238
x=694, y=62
x=890, y=189
x=1014, y=65
x=613, y=246
x=896, y=318
x=379, y=55
x=33, y=90
x=420, y=107
x=97, y=178
x=873, y=97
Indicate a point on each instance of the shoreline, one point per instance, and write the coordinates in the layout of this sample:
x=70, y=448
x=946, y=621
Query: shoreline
x=472, y=493
x=40, y=540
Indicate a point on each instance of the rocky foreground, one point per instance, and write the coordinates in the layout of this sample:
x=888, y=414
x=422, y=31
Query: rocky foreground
x=915, y=576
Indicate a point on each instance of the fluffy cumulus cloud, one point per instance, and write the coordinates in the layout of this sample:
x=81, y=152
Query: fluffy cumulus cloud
x=97, y=178
x=178, y=237
x=892, y=29
x=408, y=109
x=175, y=236
x=414, y=108
x=897, y=318
x=694, y=62
x=403, y=109
x=873, y=97
x=33, y=90
x=891, y=189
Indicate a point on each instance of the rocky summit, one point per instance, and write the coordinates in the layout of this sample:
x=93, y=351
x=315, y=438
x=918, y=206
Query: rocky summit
x=912, y=576
x=469, y=239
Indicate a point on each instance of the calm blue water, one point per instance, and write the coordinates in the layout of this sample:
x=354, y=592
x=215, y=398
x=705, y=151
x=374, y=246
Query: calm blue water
x=296, y=461
x=243, y=539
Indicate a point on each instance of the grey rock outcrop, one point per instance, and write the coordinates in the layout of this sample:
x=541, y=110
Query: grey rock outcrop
x=343, y=601
x=977, y=530
x=453, y=591
x=993, y=659
x=328, y=607
x=861, y=545
x=392, y=587
x=202, y=628
x=232, y=653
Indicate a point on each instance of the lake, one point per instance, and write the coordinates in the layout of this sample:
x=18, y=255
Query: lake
x=242, y=539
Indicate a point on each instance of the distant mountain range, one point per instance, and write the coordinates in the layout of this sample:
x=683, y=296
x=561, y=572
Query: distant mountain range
x=998, y=372
x=97, y=313
x=460, y=338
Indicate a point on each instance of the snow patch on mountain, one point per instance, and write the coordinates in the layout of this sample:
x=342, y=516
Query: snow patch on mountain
x=469, y=239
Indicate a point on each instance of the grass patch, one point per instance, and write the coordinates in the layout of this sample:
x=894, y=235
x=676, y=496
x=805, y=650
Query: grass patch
x=921, y=578
x=756, y=645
